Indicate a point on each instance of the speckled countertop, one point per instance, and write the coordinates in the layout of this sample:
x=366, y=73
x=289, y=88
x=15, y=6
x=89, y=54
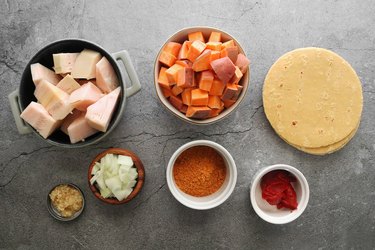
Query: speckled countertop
x=341, y=210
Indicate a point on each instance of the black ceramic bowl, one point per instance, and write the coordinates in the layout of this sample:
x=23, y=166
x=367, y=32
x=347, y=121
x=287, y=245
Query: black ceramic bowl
x=20, y=98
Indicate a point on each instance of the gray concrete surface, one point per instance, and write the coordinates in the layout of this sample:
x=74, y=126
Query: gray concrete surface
x=340, y=214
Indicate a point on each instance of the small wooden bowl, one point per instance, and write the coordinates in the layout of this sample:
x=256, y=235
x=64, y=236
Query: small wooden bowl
x=140, y=180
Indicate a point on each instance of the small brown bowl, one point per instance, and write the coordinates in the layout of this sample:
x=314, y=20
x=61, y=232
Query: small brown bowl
x=140, y=180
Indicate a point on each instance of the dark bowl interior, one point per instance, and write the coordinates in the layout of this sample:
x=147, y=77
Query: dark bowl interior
x=44, y=57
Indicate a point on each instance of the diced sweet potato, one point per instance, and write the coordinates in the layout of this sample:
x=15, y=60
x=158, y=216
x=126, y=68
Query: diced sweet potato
x=167, y=92
x=203, y=61
x=177, y=90
x=217, y=87
x=163, y=79
x=215, y=55
x=172, y=73
x=202, y=112
x=215, y=37
x=216, y=112
x=184, y=50
x=176, y=102
x=214, y=46
x=224, y=69
x=229, y=103
x=205, y=80
x=229, y=92
x=185, y=77
x=231, y=52
x=199, y=97
x=196, y=36
x=214, y=102
x=184, y=63
x=172, y=48
x=186, y=96
x=184, y=108
x=237, y=76
x=228, y=44
x=242, y=62
x=167, y=58
x=237, y=94
x=195, y=50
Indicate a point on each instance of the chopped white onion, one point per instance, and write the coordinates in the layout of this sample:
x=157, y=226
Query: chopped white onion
x=115, y=176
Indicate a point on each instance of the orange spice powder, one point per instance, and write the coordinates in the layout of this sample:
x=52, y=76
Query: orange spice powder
x=199, y=171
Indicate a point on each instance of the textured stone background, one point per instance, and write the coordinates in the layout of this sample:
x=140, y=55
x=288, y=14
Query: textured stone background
x=341, y=210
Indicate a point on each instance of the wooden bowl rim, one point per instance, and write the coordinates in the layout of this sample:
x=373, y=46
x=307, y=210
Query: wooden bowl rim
x=140, y=180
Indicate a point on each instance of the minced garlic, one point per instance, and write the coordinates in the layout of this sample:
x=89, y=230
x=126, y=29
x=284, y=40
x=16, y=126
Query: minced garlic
x=66, y=199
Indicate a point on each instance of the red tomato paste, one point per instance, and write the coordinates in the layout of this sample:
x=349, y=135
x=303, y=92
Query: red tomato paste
x=278, y=190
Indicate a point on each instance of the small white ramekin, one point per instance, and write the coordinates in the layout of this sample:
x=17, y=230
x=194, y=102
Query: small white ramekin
x=210, y=201
x=269, y=212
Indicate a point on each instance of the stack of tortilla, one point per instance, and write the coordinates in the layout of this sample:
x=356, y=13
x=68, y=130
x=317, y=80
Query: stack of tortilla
x=313, y=99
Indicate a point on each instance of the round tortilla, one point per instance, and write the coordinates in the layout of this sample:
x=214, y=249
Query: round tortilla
x=313, y=98
x=327, y=149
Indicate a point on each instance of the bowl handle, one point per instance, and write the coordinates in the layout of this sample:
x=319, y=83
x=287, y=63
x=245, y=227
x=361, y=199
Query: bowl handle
x=123, y=55
x=16, y=110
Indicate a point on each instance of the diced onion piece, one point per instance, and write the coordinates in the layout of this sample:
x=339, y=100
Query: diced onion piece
x=114, y=183
x=133, y=173
x=100, y=181
x=115, y=176
x=96, y=168
x=125, y=160
x=122, y=193
x=105, y=193
x=131, y=184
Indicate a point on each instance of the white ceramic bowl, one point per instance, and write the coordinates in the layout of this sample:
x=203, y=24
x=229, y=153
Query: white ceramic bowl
x=210, y=201
x=181, y=36
x=269, y=212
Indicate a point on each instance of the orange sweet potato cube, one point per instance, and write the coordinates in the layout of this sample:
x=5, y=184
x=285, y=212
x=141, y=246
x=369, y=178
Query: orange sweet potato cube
x=231, y=52
x=215, y=55
x=242, y=62
x=177, y=90
x=228, y=44
x=203, y=61
x=214, y=102
x=216, y=112
x=196, y=36
x=162, y=78
x=202, y=112
x=205, y=80
x=176, y=102
x=195, y=50
x=184, y=108
x=237, y=94
x=172, y=73
x=217, y=87
x=186, y=96
x=224, y=68
x=172, y=48
x=199, y=97
x=215, y=37
x=237, y=76
x=167, y=92
x=184, y=50
x=185, y=77
x=229, y=92
x=184, y=63
x=228, y=103
x=167, y=58
x=214, y=46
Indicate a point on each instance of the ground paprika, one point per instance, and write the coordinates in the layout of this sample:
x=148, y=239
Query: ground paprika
x=199, y=171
